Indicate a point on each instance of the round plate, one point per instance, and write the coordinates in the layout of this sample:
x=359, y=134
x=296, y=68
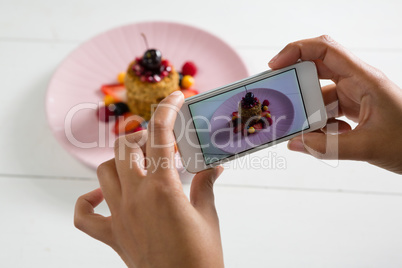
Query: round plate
x=282, y=114
x=74, y=90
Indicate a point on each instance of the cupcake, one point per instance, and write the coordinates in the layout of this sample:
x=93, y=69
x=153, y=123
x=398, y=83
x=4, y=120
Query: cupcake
x=249, y=109
x=149, y=79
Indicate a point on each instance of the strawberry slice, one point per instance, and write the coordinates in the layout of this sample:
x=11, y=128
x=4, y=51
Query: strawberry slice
x=189, y=93
x=127, y=123
x=117, y=91
x=258, y=126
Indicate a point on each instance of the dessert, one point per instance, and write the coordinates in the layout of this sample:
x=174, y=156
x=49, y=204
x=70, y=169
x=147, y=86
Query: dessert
x=250, y=109
x=252, y=116
x=148, y=81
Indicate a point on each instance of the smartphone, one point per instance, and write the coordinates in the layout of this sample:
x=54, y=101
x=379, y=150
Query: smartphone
x=249, y=115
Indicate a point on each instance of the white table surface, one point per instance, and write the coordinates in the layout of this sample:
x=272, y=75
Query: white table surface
x=310, y=214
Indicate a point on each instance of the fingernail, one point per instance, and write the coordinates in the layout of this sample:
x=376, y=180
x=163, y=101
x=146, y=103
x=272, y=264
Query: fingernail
x=296, y=145
x=273, y=59
x=218, y=172
x=176, y=93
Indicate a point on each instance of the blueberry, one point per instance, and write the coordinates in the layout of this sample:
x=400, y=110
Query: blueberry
x=119, y=108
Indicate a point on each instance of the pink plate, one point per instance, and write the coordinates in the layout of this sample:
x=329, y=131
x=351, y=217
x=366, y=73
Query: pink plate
x=74, y=90
x=282, y=114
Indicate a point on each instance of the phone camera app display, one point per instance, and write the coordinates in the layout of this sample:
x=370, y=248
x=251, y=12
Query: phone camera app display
x=249, y=116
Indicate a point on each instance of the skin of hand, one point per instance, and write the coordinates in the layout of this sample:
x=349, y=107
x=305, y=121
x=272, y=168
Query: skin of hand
x=361, y=93
x=152, y=222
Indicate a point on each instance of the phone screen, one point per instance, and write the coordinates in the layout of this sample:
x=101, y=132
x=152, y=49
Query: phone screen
x=249, y=116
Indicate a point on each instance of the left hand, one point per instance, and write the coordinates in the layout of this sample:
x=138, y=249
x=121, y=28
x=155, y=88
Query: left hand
x=152, y=222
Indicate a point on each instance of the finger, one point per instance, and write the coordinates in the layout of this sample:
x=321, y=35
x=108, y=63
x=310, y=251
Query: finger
x=336, y=126
x=201, y=192
x=160, y=144
x=330, y=97
x=350, y=145
x=110, y=183
x=95, y=225
x=336, y=60
x=129, y=155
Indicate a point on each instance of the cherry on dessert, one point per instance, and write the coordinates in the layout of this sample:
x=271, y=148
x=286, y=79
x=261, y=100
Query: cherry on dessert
x=249, y=96
x=152, y=59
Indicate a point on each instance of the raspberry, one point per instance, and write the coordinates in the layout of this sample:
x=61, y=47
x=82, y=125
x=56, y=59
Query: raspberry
x=105, y=114
x=189, y=68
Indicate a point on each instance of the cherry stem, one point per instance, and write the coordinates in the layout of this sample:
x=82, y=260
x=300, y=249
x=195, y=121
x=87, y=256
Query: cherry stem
x=245, y=88
x=145, y=40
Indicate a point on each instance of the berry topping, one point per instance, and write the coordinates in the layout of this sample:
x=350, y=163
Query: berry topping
x=105, y=114
x=187, y=81
x=265, y=103
x=119, y=108
x=249, y=96
x=151, y=76
x=189, y=68
x=152, y=59
x=249, y=101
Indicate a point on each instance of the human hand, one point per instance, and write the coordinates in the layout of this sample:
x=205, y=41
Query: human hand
x=362, y=94
x=152, y=222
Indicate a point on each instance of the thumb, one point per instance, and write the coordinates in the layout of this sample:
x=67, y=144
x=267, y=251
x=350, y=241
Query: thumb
x=201, y=192
x=349, y=145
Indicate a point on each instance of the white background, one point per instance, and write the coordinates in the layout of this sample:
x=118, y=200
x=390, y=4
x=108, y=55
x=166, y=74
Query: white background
x=310, y=214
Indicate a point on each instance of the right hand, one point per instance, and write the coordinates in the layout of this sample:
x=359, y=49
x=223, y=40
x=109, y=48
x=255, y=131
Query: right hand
x=362, y=93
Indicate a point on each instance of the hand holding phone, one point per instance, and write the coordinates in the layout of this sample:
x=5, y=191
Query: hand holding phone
x=249, y=115
x=359, y=92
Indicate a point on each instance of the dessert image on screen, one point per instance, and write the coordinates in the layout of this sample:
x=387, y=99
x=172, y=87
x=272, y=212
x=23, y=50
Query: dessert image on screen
x=248, y=116
x=252, y=116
